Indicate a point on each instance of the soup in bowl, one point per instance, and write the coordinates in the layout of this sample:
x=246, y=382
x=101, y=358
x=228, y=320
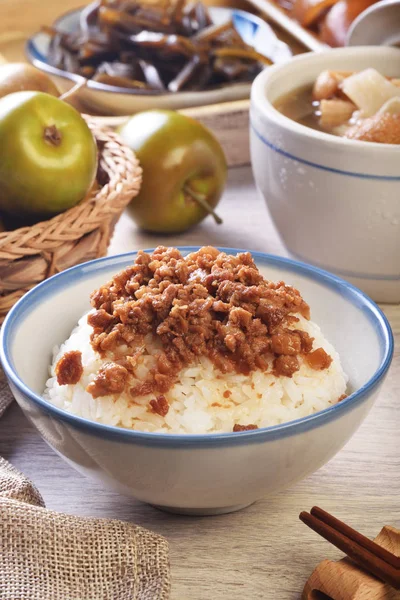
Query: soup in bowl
x=363, y=105
x=333, y=198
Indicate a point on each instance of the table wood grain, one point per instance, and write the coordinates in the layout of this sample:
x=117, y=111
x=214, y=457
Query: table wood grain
x=263, y=552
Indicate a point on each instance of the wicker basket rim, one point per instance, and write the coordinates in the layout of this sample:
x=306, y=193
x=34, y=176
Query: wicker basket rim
x=103, y=135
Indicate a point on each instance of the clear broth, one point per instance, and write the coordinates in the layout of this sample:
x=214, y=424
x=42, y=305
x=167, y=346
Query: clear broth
x=298, y=106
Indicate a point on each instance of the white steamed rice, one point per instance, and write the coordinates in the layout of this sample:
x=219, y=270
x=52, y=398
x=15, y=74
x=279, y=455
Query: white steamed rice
x=197, y=401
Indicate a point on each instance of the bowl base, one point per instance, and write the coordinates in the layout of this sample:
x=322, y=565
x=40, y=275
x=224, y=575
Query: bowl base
x=202, y=512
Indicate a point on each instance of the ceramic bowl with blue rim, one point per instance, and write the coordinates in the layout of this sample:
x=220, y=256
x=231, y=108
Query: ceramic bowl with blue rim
x=197, y=474
x=111, y=100
x=335, y=201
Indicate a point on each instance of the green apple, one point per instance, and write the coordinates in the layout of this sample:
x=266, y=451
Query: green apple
x=48, y=155
x=184, y=170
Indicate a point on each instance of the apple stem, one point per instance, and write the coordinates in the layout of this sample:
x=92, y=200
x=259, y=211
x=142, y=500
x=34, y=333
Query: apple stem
x=52, y=135
x=66, y=96
x=201, y=199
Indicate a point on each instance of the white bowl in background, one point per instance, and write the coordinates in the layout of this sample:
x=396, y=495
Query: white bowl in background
x=336, y=202
x=196, y=474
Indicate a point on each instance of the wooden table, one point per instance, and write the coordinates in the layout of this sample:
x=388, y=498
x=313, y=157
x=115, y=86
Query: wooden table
x=264, y=551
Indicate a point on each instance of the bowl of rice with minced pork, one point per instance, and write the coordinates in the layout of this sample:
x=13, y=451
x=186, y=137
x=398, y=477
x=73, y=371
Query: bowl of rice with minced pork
x=195, y=344
x=200, y=379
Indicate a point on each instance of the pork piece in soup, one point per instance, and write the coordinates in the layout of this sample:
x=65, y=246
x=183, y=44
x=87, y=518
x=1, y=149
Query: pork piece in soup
x=364, y=105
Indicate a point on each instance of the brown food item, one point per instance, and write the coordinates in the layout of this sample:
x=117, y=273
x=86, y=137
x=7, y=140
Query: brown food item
x=170, y=46
x=382, y=128
x=337, y=22
x=335, y=112
x=308, y=12
x=100, y=319
x=238, y=427
x=69, y=368
x=110, y=379
x=342, y=397
x=306, y=340
x=116, y=81
x=319, y=359
x=206, y=304
x=286, y=342
x=286, y=365
x=160, y=405
x=327, y=84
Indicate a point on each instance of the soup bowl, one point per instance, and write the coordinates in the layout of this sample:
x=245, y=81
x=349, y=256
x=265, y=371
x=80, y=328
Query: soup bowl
x=335, y=201
x=196, y=474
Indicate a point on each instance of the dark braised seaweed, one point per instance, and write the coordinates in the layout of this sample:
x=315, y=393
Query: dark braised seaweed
x=145, y=46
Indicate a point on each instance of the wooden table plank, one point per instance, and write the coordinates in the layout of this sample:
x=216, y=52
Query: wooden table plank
x=263, y=552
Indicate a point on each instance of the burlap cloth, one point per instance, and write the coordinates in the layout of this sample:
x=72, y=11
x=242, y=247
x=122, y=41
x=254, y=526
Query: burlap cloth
x=6, y=396
x=45, y=555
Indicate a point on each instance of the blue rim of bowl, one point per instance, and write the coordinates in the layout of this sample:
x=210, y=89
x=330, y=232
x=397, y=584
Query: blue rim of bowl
x=372, y=311
x=39, y=61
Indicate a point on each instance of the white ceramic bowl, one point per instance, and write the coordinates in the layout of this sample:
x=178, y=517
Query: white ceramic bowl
x=198, y=474
x=378, y=25
x=336, y=202
x=113, y=100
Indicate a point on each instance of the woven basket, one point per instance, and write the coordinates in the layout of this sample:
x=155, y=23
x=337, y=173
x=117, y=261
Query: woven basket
x=31, y=254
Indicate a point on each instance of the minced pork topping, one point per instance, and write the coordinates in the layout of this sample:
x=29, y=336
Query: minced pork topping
x=205, y=304
x=69, y=368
